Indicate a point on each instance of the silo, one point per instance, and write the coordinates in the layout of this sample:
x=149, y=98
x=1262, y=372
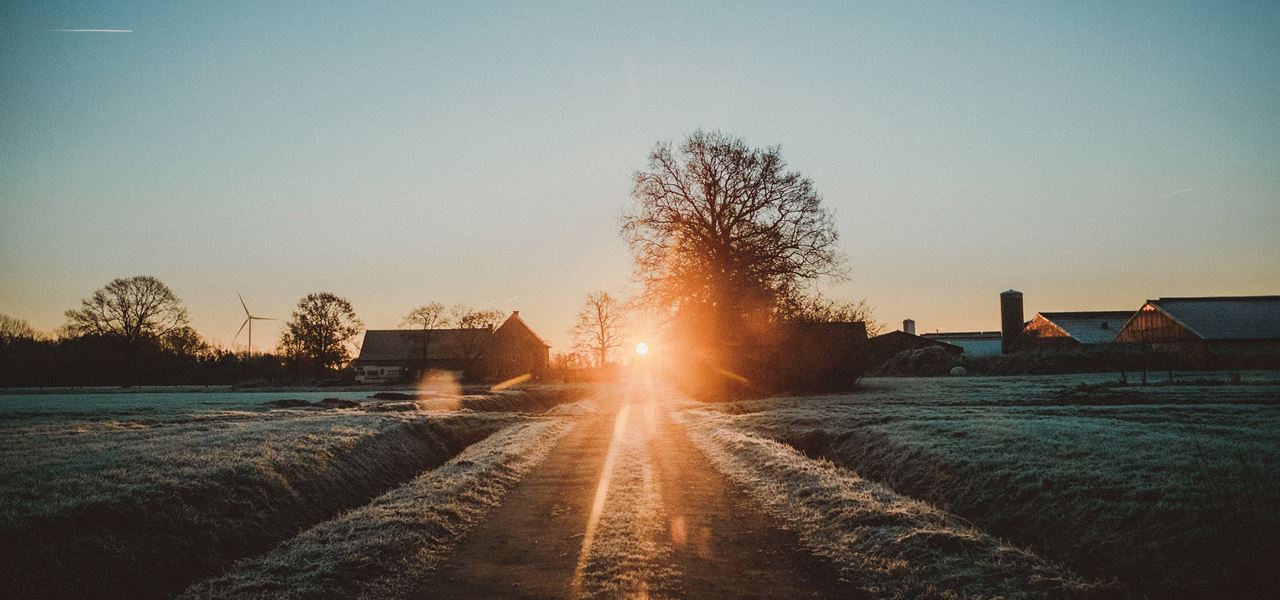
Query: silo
x=909, y=326
x=1010, y=318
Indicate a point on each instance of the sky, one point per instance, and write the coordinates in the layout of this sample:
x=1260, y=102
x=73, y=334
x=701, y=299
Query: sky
x=1089, y=154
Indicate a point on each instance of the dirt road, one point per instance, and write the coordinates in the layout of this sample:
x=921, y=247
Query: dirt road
x=626, y=506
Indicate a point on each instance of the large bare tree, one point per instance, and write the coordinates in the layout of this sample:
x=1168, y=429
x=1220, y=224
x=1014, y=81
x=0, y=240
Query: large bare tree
x=727, y=229
x=599, y=326
x=320, y=329
x=130, y=310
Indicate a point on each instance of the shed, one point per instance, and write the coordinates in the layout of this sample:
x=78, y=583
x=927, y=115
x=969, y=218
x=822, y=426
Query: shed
x=975, y=344
x=884, y=346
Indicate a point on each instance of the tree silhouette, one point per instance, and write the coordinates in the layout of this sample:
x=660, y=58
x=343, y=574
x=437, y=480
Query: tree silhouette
x=425, y=318
x=465, y=317
x=132, y=312
x=599, y=327
x=726, y=231
x=13, y=329
x=129, y=310
x=319, y=330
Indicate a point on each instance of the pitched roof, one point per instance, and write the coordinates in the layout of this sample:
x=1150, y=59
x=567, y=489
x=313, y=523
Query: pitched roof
x=1090, y=327
x=514, y=322
x=902, y=337
x=1226, y=317
x=406, y=344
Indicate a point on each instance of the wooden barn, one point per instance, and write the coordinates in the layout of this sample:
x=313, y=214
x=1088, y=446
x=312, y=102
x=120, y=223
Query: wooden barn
x=1225, y=326
x=511, y=350
x=1069, y=330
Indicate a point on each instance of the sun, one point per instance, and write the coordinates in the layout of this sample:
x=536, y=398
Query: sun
x=642, y=348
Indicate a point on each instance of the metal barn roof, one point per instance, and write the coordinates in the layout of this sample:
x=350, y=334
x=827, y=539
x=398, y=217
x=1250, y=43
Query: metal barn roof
x=1090, y=327
x=406, y=344
x=1226, y=317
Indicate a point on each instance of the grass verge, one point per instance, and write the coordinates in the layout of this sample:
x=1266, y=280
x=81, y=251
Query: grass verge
x=377, y=550
x=141, y=508
x=893, y=546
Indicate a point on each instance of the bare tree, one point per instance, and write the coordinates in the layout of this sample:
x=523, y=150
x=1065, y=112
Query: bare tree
x=320, y=329
x=599, y=327
x=465, y=317
x=817, y=309
x=129, y=310
x=13, y=329
x=474, y=346
x=726, y=228
x=425, y=318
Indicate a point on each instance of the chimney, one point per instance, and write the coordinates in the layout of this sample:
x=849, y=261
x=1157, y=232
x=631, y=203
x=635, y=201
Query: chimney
x=515, y=313
x=1010, y=318
x=909, y=326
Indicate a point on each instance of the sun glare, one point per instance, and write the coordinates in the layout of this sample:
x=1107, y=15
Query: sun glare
x=642, y=348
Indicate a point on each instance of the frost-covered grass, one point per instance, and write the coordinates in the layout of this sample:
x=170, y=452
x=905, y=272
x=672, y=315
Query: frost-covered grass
x=890, y=545
x=133, y=496
x=1174, y=495
x=377, y=550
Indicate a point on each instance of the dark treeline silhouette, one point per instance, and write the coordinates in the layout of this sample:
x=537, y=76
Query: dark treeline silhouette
x=96, y=360
x=135, y=331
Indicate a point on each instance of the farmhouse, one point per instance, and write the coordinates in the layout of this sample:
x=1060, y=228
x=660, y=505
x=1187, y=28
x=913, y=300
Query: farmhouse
x=1068, y=330
x=1224, y=326
x=511, y=350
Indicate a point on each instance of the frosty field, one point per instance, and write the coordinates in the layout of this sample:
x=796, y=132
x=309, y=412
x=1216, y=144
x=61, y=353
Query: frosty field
x=1168, y=489
x=138, y=495
x=1037, y=487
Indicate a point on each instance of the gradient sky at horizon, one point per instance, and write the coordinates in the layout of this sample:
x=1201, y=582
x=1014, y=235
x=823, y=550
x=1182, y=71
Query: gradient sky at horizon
x=1091, y=155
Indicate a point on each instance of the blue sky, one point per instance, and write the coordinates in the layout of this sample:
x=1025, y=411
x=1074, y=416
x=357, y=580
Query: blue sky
x=1089, y=154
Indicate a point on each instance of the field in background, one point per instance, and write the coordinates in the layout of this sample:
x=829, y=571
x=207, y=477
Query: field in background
x=1169, y=489
x=138, y=495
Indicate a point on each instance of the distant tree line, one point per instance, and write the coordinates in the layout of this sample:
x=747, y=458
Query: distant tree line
x=136, y=331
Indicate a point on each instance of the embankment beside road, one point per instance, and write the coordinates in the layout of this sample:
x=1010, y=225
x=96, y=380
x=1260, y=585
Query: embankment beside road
x=140, y=510
x=1173, y=499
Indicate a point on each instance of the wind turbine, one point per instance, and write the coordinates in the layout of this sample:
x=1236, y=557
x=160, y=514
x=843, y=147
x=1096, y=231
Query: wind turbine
x=248, y=320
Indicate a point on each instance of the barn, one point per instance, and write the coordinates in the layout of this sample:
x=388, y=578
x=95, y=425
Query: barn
x=1069, y=330
x=511, y=350
x=516, y=350
x=1223, y=326
x=975, y=344
x=884, y=346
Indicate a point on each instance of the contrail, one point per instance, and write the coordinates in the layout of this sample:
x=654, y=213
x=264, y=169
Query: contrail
x=91, y=30
x=1174, y=193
